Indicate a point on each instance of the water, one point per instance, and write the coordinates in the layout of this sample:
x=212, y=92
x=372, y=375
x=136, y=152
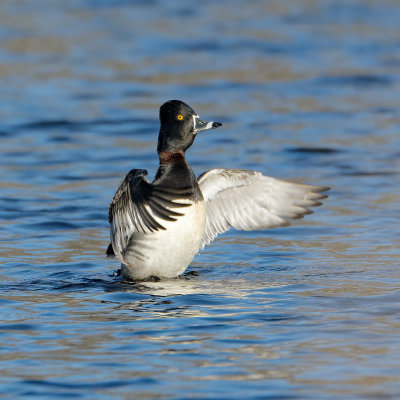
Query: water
x=307, y=90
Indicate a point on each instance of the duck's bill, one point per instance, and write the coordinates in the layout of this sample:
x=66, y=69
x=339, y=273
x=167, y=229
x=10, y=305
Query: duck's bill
x=200, y=125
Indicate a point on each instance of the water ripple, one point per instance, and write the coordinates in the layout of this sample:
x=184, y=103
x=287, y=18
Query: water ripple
x=307, y=91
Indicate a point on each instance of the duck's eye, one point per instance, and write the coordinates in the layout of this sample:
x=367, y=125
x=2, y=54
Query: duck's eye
x=180, y=117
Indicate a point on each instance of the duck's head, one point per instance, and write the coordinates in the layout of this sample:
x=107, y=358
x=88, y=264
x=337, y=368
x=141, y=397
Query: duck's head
x=179, y=126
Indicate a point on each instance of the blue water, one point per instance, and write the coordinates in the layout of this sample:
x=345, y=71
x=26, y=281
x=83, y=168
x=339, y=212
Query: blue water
x=307, y=91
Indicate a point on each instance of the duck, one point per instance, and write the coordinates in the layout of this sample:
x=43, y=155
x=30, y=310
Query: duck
x=157, y=228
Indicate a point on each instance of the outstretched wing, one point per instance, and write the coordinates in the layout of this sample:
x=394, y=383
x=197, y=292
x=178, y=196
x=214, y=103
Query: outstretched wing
x=249, y=200
x=139, y=206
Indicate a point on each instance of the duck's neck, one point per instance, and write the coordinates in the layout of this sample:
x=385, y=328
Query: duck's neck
x=170, y=156
x=174, y=170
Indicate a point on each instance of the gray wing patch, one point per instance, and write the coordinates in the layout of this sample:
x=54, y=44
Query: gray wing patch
x=249, y=200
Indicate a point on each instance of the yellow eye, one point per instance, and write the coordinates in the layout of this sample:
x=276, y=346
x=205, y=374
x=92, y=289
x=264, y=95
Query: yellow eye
x=180, y=117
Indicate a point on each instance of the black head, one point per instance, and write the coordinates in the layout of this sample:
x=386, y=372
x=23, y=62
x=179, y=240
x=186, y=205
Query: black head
x=179, y=126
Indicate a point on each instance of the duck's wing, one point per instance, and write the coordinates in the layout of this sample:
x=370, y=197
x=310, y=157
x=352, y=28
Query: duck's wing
x=139, y=206
x=249, y=200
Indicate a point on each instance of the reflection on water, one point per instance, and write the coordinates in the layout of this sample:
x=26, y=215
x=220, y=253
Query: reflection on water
x=307, y=91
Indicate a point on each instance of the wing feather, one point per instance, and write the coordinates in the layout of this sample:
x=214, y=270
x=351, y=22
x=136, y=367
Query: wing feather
x=139, y=206
x=249, y=200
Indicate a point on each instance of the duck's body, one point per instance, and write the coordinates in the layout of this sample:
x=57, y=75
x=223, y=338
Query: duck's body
x=157, y=228
x=148, y=251
x=157, y=253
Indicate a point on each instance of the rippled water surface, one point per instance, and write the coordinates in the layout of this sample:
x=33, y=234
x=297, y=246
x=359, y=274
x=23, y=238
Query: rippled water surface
x=307, y=90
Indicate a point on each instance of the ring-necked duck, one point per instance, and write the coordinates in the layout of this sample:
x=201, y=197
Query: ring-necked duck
x=157, y=228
